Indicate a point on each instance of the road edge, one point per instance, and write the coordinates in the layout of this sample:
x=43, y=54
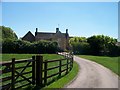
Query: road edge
x=73, y=78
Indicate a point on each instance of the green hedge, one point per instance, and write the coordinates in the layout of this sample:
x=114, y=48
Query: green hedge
x=95, y=45
x=81, y=48
x=20, y=46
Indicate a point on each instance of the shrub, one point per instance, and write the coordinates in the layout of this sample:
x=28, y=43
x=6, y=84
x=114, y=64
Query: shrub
x=20, y=46
x=81, y=48
x=102, y=45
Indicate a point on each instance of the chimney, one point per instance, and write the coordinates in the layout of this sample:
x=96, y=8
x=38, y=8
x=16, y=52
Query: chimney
x=66, y=31
x=57, y=30
x=36, y=31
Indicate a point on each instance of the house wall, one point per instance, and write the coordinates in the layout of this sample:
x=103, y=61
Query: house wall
x=67, y=43
x=62, y=41
x=29, y=37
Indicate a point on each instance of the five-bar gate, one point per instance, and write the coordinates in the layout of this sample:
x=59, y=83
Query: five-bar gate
x=32, y=72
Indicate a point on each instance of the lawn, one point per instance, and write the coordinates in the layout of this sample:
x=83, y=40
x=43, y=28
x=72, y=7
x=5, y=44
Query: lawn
x=7, y=57
x=109, y=62
x=66, y=79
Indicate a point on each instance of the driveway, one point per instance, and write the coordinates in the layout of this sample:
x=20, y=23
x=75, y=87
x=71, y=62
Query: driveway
x=93, y=75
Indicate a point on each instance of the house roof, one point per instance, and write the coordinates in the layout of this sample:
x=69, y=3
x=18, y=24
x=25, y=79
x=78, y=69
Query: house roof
x=29, y=33
x=47, y=35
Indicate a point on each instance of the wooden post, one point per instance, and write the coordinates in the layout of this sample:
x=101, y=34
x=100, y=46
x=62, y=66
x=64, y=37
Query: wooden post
x=72, y=60
x=70, y=63
x=60, y=63
x=65, y=55
x=33, y=70
x=45, y=73
x=13, y=74
x=39, y=64
x=67, y=66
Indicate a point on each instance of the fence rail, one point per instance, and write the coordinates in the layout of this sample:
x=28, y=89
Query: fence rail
x=12, y=72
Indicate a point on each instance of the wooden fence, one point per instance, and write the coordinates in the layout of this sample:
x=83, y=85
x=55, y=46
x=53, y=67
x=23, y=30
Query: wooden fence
x=13, y=72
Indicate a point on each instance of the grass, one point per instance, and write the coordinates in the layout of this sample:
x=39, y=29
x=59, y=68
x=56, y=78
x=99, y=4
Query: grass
x=109, y=62
x=52, y=81
x=66, y=79
x=8, y=57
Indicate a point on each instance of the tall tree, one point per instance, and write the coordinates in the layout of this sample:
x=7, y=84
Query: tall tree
x=8, y=33
x=101, y=44
x=79, y=45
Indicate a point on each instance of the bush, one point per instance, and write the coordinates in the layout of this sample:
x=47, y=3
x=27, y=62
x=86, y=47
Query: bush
x=20, y=46
x=81, y=48
x=113, y=50
x=95, y=45
x=8, y=46
x=102, y=45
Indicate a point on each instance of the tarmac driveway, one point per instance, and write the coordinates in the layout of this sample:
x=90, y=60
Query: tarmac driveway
x=93, y=75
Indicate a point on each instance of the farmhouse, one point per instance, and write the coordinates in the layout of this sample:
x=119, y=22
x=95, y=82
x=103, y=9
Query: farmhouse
x=61, y=38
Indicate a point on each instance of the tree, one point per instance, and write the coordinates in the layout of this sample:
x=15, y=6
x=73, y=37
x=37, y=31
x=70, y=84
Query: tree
x=101, y=45
x=77, y=39
x=8, y=33
x=81, y=48
x=79, y=45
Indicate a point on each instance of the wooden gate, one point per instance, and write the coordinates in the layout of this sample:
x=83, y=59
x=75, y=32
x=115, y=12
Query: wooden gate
x=21, y=73
x=14, y=73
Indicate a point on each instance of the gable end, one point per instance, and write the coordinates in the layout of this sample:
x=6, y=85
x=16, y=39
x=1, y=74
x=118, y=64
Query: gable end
x=29, y=37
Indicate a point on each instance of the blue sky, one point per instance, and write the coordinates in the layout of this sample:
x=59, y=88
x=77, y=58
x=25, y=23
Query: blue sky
x=81, y=19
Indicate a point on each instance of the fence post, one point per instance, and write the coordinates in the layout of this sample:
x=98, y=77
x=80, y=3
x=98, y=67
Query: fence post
x=13, y=74
x=71, y=63
x=45, y=73
x=65, y=55
x=67, y=66
x=33, y=70
x=60, y=63
x=72, y=60
x=39, y=64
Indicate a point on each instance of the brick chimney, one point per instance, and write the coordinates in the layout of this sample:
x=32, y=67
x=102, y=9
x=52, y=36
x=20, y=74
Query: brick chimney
x=57, y=30
x=36, y=31
x=66, y=31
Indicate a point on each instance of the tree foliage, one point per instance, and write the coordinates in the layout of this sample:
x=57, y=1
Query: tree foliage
x=95, y=45
x=102, y=45
x=79, y=45
x=77, y=39
x=80, y=48
x=8, y=33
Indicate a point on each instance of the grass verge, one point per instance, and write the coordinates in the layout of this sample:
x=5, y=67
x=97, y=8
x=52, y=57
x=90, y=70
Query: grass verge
x=60, y=83
x=109, y=62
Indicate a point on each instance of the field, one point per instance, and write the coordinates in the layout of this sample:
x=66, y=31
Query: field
x=65, y=79
x=7, y=57
x=110, y=62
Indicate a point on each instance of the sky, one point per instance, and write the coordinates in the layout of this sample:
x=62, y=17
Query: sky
x=80, y=18
x=60, y=0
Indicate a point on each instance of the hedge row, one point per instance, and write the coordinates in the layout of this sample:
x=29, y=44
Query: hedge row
x=20, y=46
x=95, y=45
